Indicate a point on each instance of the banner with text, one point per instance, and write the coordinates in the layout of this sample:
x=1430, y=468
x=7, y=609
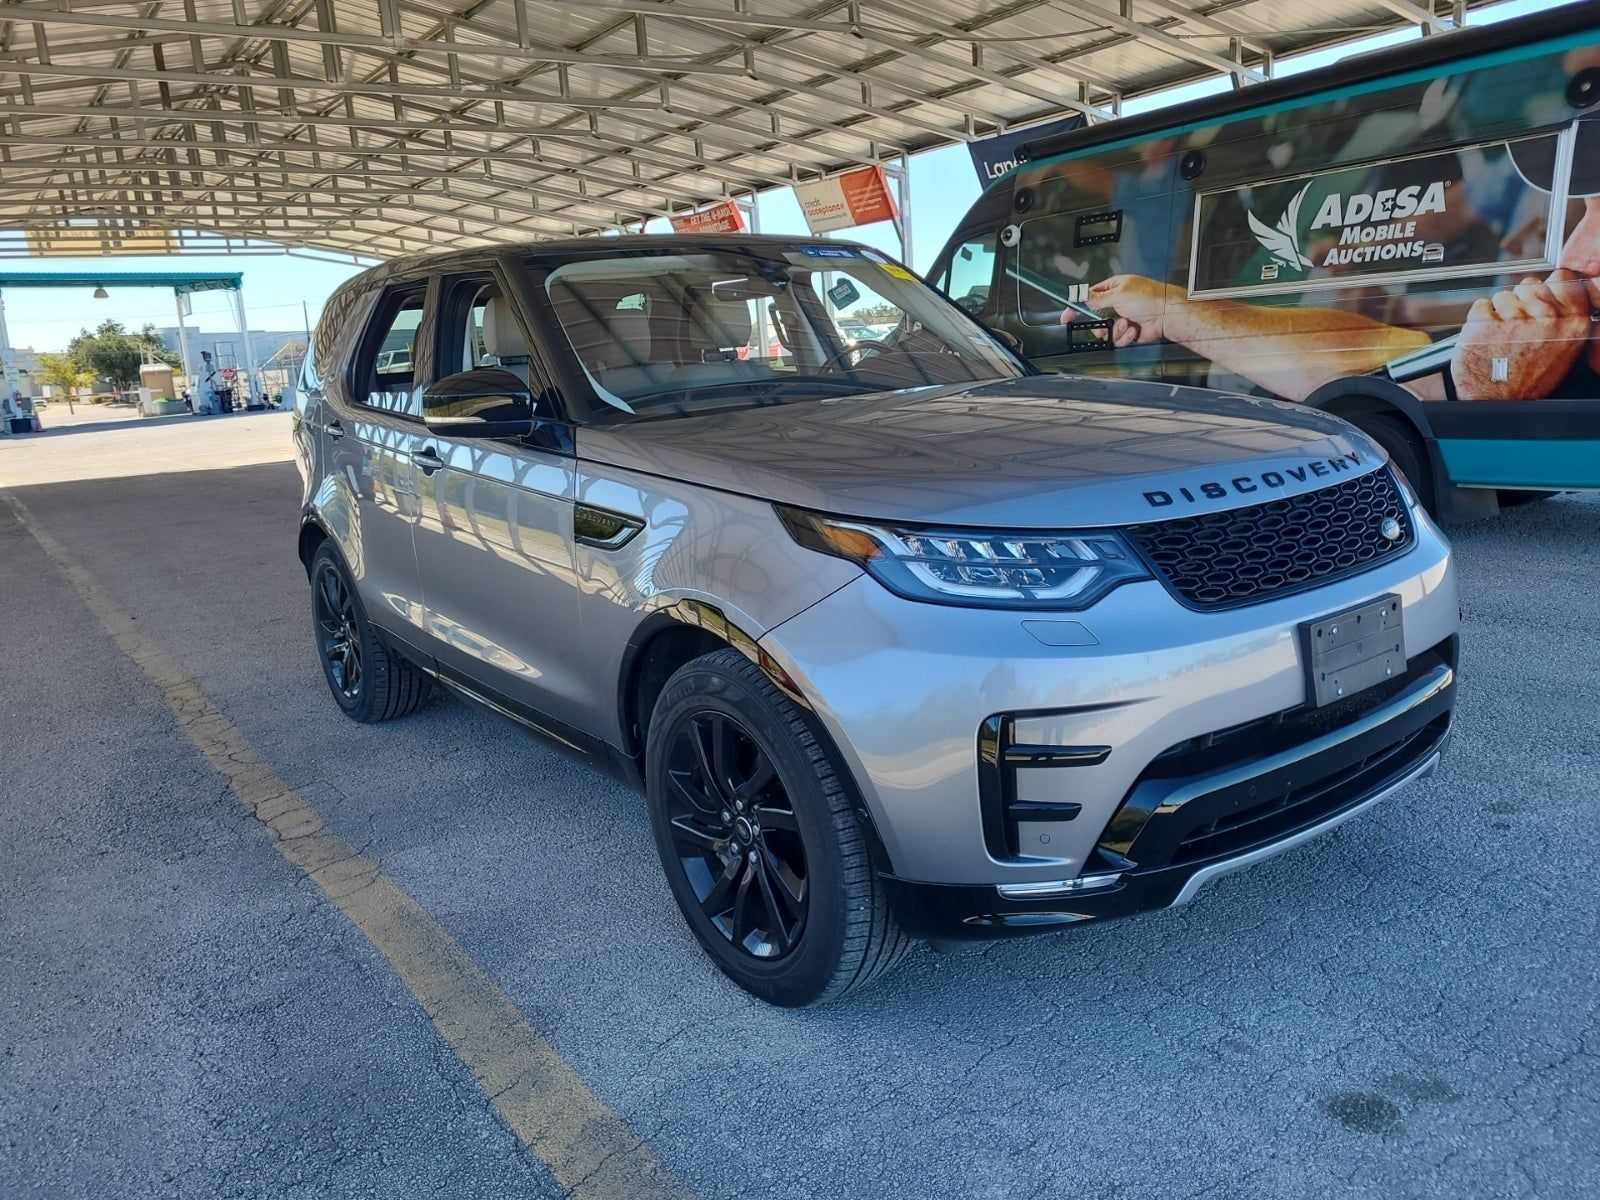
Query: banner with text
x=726, y=217
x=88, y=240
x=1404, y=220
x=857, y=197
x=994, y=156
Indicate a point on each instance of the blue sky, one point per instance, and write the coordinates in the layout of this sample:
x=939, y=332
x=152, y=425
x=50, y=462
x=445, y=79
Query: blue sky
x=943, y=186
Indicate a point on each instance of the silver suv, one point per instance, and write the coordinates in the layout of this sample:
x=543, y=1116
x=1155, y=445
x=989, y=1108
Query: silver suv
x=900, y=637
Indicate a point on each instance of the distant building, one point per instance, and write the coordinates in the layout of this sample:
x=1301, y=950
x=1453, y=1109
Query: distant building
x=227, y=349
x=27, y=368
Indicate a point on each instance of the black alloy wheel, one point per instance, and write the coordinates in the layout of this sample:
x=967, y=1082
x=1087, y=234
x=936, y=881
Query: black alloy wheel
x=369, y=682
x=338, y=636
x=758, y=828
x=736, y=836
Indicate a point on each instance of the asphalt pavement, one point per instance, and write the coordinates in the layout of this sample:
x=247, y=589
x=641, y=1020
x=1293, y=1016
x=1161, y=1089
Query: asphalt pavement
x=1403, y=1008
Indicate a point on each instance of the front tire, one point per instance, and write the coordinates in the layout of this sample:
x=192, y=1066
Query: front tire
x=756, y=830
x=1405, y=448
x=367, y=682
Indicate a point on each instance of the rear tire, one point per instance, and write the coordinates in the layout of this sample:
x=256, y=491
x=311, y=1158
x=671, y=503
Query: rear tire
x=368, y=683
x=757, y=833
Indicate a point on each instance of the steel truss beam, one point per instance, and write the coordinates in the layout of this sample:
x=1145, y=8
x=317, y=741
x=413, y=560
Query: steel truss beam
x=361, y=125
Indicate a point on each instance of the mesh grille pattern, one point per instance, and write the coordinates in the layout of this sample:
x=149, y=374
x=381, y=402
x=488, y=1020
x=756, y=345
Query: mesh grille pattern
x=1251, y=554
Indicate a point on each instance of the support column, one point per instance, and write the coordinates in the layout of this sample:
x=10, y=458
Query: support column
x=189, y=381
x=8, y=357
x=751, y=208
x=9, y=379
x=249, y=350
x=902, y=178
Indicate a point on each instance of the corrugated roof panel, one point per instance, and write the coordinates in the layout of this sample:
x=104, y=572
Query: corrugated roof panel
x=423, y=123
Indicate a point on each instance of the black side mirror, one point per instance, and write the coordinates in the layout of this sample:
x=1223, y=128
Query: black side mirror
x=486, y=402
x=1011, y=341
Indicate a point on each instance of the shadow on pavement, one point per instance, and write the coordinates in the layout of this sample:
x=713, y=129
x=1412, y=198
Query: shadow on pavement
x=50, y=430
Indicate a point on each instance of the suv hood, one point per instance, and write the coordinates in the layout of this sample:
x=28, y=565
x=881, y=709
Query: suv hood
x=1038, y=452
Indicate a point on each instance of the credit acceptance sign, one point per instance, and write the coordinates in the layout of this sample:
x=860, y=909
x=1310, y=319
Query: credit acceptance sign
x=857, y=197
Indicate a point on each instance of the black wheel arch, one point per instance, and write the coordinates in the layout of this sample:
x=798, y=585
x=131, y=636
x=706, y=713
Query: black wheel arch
x=1375, y=396
x=312, y=535
x=678, y=634
x=667, y=639
x=1372, y=394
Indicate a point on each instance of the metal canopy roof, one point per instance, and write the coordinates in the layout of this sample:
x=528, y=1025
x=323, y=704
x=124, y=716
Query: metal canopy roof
x=381, y=126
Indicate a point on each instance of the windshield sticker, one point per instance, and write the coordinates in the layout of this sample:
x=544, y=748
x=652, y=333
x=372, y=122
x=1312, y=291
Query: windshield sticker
x=898, y=272
x=844, y=293
x=829, y=251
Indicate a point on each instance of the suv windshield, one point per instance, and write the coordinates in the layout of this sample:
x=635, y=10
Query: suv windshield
x=658, y=333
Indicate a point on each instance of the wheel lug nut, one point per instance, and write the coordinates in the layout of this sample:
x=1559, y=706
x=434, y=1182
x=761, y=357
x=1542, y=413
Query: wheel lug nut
x=726, y=816
x=739, y=804
x=753, y=857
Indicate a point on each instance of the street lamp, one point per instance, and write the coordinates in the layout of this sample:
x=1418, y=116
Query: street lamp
x=100, y=293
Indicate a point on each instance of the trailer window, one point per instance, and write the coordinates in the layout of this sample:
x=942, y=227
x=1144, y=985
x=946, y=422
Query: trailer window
x=969, y=279
x=1059, y=257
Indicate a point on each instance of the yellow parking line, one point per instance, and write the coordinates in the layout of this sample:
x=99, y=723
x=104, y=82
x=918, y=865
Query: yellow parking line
x=589, y=1150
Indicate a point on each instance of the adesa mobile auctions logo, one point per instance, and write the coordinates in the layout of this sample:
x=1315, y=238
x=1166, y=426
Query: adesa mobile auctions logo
x=1375, y=226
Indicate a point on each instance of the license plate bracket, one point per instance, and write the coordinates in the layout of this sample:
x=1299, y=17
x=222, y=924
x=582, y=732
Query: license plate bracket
x=1349, y=651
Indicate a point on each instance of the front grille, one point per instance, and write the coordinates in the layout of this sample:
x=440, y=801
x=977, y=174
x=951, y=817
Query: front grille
x=1247, y=555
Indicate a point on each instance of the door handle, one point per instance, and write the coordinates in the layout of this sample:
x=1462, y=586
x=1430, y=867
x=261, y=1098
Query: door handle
x=426, y=460
x=333, y=429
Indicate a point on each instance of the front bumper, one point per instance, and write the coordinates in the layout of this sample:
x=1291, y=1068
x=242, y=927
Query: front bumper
x=907, y=690
x=1234, y=817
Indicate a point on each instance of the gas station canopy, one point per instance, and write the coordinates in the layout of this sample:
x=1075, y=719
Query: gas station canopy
x=376, y=127
x=180, y=282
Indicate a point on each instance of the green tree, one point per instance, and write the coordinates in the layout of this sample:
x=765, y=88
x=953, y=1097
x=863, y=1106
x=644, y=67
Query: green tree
x=64, y=372
x=112, y=352
x=877, y=314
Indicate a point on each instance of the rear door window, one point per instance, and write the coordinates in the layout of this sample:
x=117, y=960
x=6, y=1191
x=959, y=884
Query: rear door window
x=388, y=370
x=464, y=333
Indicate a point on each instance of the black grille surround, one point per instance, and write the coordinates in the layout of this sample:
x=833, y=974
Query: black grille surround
x=1264, y=551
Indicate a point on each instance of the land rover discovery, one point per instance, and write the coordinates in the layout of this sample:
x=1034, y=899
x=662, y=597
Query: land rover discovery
x=899, y=637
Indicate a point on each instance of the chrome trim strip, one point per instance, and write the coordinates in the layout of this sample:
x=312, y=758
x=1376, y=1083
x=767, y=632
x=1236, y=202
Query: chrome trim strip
x=1058, y=887
x=1206, y=874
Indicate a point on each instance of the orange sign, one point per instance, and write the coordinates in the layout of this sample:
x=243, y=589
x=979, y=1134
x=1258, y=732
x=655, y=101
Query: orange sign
x=857, y=197
x=96, y=239
x=719, y=218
